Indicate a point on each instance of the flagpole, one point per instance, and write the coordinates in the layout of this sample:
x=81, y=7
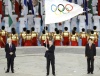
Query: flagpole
x=46, y=36
x=45, y=25
x=86, y=12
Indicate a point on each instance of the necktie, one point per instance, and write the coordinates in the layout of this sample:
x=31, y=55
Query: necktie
x=10, y=47
x=90, y=47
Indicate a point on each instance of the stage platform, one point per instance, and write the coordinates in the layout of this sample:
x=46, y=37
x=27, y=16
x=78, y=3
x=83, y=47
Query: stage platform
x=30, y=61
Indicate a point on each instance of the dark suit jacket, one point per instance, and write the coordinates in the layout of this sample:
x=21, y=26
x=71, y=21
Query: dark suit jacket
x=90, y=52
x=50, y=52
x=8, y=50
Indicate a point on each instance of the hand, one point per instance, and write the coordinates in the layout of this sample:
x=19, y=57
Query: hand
x=45, y=41
x=94, y=57
x=86, y=56
x=11, y=53
x=46, y=48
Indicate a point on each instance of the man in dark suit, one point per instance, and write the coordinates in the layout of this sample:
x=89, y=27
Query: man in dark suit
x=10, y=55
x=50, y=48
x=90, y=53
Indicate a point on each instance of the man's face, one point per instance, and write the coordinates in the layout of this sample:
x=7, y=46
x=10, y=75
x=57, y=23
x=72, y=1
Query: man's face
x=90, y=41
x=50, y=42
x=9, y=41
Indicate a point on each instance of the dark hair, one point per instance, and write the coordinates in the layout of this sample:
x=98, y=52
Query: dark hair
x=83, y=29
x=13, y=29
x=32, y=29
x=3, y=27
x=56, y=29
x=94, y=27
x=46, y=28
x=57, y=32
x=66, y=28
x=13, y=32
x=74, y=28
x=43, y=32
x=28, y=31
x=90, y=39
x=73, y=32
x=92, y=32
x=24, y=29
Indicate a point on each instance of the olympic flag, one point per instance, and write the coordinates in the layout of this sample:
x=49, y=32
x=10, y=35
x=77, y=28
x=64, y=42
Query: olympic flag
x=60, y=10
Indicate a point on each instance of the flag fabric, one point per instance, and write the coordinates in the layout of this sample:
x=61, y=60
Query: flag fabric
x=99, y=7
x=25, y=11
x=69, y=0
x=85, y=3
x=76, y=1
x=10, y=12
x=1, y=10
x=90, y=6
x=17, y=7
x=30, y=6
x=39, y=9
x=58, y=11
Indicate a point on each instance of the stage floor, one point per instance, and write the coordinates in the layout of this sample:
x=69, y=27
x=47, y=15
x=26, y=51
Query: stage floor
x=67, y=64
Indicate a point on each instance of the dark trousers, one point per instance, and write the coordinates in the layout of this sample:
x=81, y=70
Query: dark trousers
x=10, y=62
x=90, y=64
x=52, y=61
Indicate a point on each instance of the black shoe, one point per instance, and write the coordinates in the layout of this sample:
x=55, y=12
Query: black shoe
x=7, y=72
x=12, y=71
x=88, y=73
x=54, y=75
x=91, y=72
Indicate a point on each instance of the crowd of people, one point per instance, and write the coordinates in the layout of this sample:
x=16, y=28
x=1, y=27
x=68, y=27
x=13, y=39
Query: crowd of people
x=31, y=38
x=30, y=30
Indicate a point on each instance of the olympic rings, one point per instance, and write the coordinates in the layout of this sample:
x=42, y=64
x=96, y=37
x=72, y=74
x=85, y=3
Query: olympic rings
x=69, y=7
x=61, y=9
x=62, y=6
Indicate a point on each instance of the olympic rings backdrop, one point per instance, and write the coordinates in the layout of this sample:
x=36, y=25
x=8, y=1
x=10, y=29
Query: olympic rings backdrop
x=61, y=9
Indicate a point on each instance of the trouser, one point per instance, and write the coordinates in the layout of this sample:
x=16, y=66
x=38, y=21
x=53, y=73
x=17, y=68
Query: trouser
x=52, y=61
x=90, y=64
x=10, y=62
